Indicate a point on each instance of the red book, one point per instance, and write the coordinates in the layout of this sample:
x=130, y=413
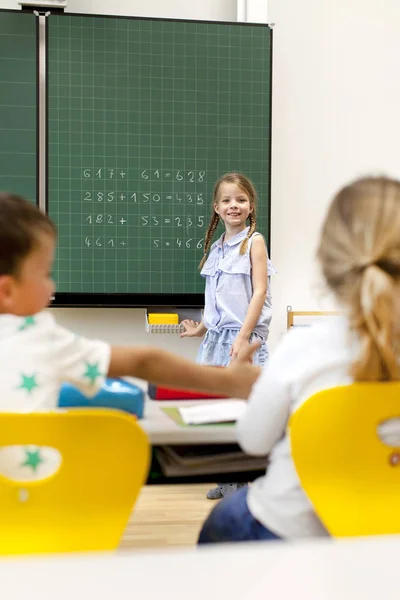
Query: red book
x=164, y=393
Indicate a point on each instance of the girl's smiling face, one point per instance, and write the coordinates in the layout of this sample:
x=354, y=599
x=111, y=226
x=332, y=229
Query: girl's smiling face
x=233, y=205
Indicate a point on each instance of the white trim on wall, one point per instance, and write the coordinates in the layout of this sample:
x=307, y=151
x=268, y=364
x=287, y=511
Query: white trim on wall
x=241, y=10
x=252, y=11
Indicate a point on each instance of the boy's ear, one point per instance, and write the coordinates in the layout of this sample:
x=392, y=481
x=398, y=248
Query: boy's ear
x=7, y=287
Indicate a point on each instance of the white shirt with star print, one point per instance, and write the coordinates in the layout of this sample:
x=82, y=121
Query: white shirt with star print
x=37, y=356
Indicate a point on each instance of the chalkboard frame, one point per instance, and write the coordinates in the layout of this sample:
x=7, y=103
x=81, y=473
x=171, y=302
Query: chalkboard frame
x=17, y=11
x=115, y=300
x=140, y=300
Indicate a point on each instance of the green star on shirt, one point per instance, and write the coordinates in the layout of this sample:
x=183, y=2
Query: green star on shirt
x=28, y=321
x=92, y=372
x=28, y=383
x=32, y=459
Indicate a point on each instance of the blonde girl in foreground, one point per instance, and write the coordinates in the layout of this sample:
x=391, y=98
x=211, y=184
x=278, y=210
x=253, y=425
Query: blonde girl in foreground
x=359, y=253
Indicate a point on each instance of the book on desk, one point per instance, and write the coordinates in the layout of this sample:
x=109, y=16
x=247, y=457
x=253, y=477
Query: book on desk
x=158, y=392
x=181, y=461
x=192, y=460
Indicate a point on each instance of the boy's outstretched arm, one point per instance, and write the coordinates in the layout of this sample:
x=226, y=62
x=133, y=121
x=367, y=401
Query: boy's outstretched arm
x=164, y=368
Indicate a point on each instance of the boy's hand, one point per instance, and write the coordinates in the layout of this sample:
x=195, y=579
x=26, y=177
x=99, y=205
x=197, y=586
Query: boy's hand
x=192, y=328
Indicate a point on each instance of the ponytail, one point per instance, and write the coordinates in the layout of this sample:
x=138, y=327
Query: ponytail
x=252, y=228
x=375, y=326
x=359, y=252
x=209, y=236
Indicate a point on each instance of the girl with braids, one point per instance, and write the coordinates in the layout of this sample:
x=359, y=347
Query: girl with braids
x=359, y=252
x=237, y=307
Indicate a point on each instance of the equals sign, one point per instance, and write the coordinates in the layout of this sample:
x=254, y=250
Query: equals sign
x=167, y=174
x=168, y=197
x=167, y=220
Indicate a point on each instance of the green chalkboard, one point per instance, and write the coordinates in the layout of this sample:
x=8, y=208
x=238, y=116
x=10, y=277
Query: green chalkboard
x=18, y=103
x=143, y=117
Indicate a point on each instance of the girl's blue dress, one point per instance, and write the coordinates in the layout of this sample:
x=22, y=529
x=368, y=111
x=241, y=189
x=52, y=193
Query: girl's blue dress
x=227, y=297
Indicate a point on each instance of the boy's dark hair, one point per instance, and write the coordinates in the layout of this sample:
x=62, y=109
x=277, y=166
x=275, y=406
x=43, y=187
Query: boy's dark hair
x=21, y=222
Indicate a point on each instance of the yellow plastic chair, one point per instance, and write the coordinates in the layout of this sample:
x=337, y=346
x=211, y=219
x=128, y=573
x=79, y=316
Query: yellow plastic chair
x=350, y=476
x=86, y=504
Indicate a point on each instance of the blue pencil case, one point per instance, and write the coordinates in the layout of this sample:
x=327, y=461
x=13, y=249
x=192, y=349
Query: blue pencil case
x=114, y=393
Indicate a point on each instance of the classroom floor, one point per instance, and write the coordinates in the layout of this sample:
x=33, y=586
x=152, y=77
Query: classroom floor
x=167, y=515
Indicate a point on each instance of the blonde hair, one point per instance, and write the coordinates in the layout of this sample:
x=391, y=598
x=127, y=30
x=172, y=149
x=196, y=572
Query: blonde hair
x=359, y=252
x=248, y=188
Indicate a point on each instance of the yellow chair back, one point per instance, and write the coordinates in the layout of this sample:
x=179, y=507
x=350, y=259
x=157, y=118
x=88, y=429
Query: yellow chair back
x=86, y=504
x=350, y=476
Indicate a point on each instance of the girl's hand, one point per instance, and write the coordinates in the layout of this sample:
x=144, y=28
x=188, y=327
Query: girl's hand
x=245, y=354
x=239, y=345
x=192, y=328
x=242, y=369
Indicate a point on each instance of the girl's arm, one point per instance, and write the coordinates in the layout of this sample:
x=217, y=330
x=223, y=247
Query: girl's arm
x=193, y=328
x=259, y=278
x=163, y=368
x=270, y=403
x=263, y=423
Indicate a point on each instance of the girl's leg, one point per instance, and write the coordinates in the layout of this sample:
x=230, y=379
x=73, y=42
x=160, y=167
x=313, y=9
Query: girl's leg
x=231, y=521
x=215, y=351
x=223, y=490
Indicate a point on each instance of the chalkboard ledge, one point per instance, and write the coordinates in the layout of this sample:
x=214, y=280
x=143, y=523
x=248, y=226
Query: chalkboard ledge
x=86, y=300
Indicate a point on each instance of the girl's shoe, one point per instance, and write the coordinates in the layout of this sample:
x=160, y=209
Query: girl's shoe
x=223, y=490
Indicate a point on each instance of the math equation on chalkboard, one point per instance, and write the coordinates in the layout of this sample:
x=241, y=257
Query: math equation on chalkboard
x=107, y=242
x=167, y=209
x=146, y=174
x=142, y=198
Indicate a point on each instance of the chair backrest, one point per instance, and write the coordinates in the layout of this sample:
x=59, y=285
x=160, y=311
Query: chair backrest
x=351, y=477
x=86, y=504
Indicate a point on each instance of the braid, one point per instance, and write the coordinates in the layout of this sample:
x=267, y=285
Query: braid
x=252, y=228
x=208, y=237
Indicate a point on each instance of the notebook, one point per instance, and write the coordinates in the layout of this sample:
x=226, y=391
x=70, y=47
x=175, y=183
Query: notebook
x=188, y=461
x=213, y=412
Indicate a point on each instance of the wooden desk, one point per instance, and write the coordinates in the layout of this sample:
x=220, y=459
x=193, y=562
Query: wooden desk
x=162, y=430
x=348, y=570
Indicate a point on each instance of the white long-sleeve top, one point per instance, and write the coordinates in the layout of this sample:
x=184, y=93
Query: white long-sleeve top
x=308, y=360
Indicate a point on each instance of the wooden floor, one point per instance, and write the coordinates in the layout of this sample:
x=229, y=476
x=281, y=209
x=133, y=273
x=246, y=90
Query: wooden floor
x=167, y=515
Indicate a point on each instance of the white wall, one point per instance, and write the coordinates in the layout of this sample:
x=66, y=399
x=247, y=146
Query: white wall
x=122, y=326
x=220, y=10
x=217, y=10
x=336, y=104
